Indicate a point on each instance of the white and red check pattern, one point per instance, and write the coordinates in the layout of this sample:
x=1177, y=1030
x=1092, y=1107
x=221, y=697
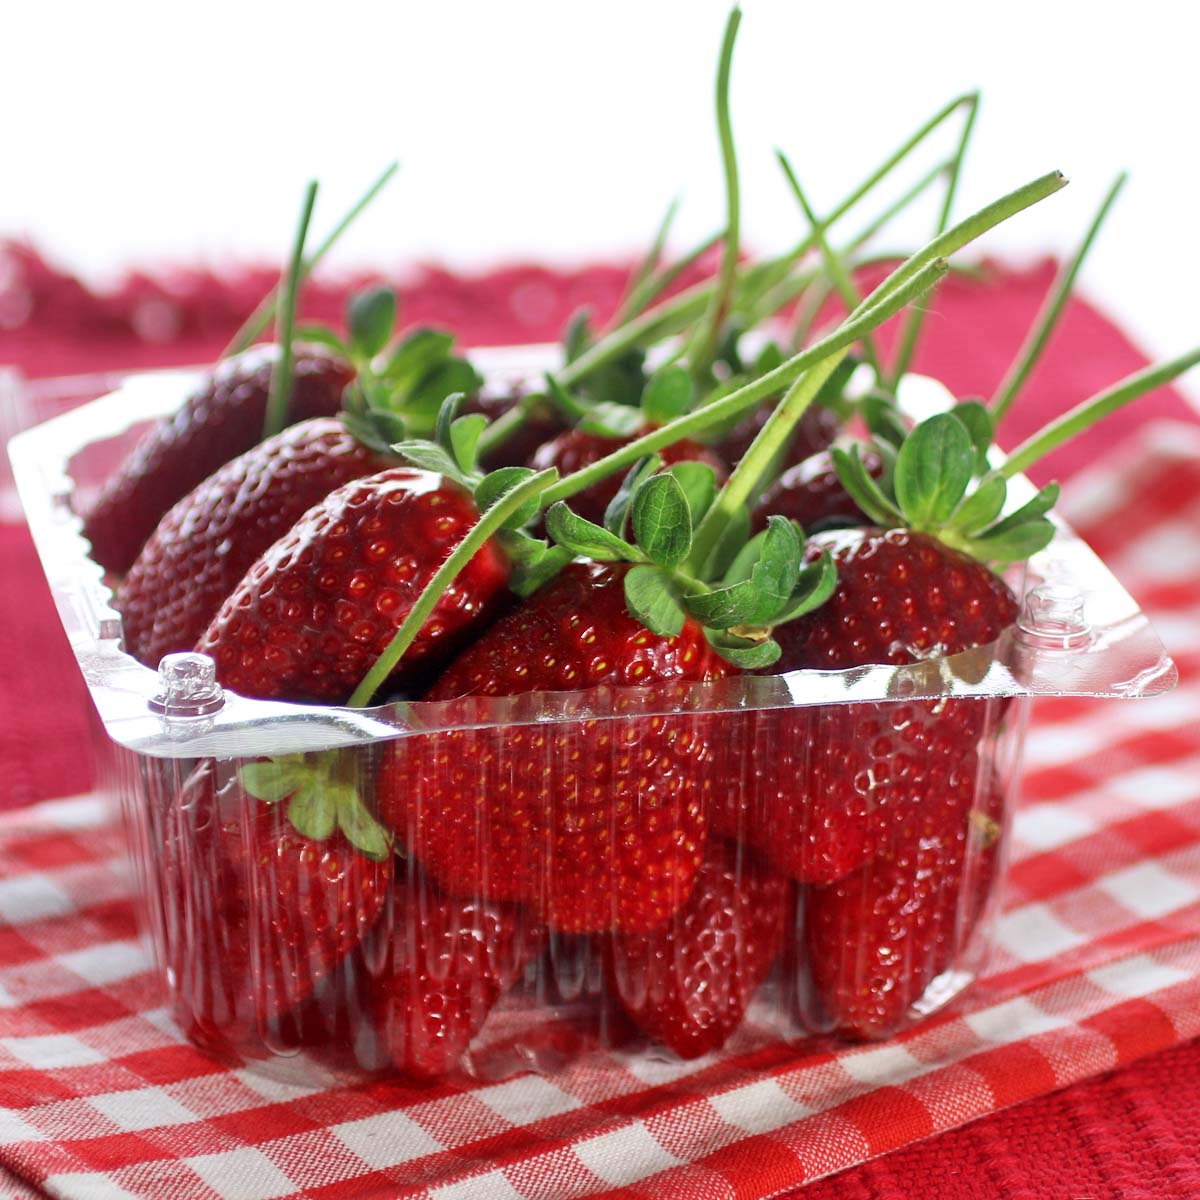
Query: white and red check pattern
x=1098, y=963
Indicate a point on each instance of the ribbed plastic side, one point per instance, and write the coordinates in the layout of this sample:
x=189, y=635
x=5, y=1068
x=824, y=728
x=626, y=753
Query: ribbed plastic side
x=670, y=885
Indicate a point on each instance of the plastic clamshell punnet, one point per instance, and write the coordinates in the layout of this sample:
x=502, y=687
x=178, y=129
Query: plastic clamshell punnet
x=524, y=921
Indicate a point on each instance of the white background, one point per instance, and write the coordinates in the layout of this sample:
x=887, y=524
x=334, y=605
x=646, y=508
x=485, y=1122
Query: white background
x=137, y=132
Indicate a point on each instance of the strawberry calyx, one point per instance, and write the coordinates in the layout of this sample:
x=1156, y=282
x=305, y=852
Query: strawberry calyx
x=321, y=799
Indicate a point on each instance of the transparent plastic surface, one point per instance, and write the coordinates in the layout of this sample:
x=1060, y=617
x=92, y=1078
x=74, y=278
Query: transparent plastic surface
x=670, y=870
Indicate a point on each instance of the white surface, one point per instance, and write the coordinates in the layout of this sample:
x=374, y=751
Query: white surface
x=138, y=132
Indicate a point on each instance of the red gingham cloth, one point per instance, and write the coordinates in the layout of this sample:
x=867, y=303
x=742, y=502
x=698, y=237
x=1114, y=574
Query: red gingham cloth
x=157, y=1112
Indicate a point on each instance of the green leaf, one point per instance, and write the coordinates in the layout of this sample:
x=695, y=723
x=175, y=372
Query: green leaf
x=769, y=357
x=864, y=491
x=274, y=780
x=453, y=375
x=774, y=575
x=699, y=483
x=668, y=394
x=416, y=355
x=618, y=506
x=429, y=456
x=617, y=382
x=362, y=830
x=662, y=520
x=743, y=562
x=582, y=537
x=612, y=420
x=449, y=410
x=370, y=318
x=496, y=485
x=573, y=408
x=728, y=545
x=312, y=809
x=1039, y=506
x=883, y=418
x=653, y=599
x=933, y=469
x=533, y=561
x=814, y=586
x=1015, y=544
x=982, y=505
x=465, y=433
x=740, y=604
x=743, y=652
x=367, y=432
x=318, y=335
x=576, y=337
x=977, y=418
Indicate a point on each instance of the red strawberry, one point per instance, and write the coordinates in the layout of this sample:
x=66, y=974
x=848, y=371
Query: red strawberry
x=599, y=824
x=315, y=611
x=576, y=449
x=812, y=495
x=447, y=962
x=877, y=938
x=539, y=426
x=687, y=982
x=211, y=538
x=816, y=430
x=221, y=419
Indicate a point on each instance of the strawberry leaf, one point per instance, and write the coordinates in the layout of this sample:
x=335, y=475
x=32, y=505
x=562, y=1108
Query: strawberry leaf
x=864, y=491
x=417, y=355
x=573, y=408
x=495, y=486
x=275, y=779
x=429, y=456
x=370, y=318
x=814, y=586
x=740, y=604
x=883, y=419
x=982, y=505
x=933, y=469
x=312, y=810
x=576, y=336
x=1039, y=506
x=668, y=394
x=318, y=335
x=725, y=552
x=662, y=520
x=747, y=653
x=618, y=506
x=450, y=408
x=653, y=599
x=533, y=561
x=977, y=419
x=612, y=420
x=465, y=433
x=1014, y=544
x=581, y=537
x=362, y=831
x=774, y=575
x=699, y=483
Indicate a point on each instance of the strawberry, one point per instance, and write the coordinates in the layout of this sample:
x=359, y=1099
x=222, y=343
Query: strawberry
x=687, y=982
x=576, y=449
x=878, y=937
x=221, y=419
x=446, y=963
x=208, y=541
x=811, y=494
x=540, y=425
x=599, y=824
x=316, y=609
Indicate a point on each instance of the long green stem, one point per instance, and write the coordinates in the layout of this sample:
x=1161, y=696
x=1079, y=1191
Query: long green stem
x=704, y=347
x=746, y=397
x=835, y=266
x=1090, y=411
x=648, y=265
x=910, y=332
x=758, y=458
x=1051, y=311
x=488, y=524
x=654, y=285
x=260, y=318
x=281, y=374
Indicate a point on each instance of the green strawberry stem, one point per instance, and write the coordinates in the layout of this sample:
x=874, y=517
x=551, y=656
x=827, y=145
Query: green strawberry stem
x=260, y=318
x=911, y=330
x=1090, y=411
x=704, y=347
x=747, y=396
x=1051, y=311
x=281, y=374
x=490, y=522
x=764, y=450
x=649, y=290
x=835, y=265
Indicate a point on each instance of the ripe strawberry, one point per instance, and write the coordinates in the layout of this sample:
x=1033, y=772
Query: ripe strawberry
x=599, y=824
x=211, y=538
x=811, y=494
x=447, y=963
x=878, y=937
x=576, y=449
x=315, y=611
x=687, y=983
x=221, y=419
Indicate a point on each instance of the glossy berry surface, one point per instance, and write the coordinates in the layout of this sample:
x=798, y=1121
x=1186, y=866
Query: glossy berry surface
x=600, y=821
x=314, y=612
x=221, y=419
x=811, y=494
x=211, y=538
x=687, y=983
x=576, y=449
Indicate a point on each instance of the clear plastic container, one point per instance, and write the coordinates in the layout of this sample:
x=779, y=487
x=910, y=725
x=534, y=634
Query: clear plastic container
x=672, y=870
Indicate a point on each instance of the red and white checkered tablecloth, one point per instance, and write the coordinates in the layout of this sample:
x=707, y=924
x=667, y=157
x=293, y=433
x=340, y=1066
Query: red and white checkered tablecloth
x=1098, y=964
